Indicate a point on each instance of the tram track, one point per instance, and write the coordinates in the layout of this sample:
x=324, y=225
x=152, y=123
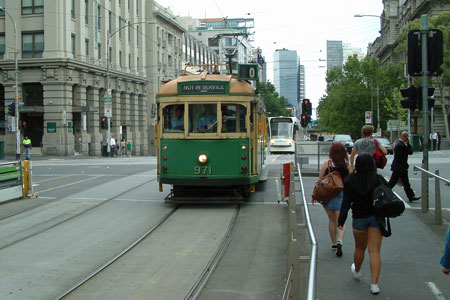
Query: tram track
x=198, y=285
x=117, y=256
x=71, y=217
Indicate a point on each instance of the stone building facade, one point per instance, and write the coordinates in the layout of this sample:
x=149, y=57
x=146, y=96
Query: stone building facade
x=62, y=50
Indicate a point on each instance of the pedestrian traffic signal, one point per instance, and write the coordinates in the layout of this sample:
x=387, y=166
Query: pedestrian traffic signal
x=306, y=107
x=419, y=98
x=435, y=52
x=12, y=109
x=103, y=122
x=304, y=120
x=411, y=97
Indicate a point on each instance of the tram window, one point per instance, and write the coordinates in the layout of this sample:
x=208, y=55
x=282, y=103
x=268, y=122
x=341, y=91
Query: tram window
x=203, y=118
x=233, y=118
x=173, y=118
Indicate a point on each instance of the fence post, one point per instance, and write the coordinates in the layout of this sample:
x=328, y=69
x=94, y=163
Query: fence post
x=437, y=200
x=424, y=202
x=318, y=156
x=293, y=251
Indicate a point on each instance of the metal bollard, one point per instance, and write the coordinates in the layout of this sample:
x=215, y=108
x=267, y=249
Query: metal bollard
x=424, y=202
x=437, y=200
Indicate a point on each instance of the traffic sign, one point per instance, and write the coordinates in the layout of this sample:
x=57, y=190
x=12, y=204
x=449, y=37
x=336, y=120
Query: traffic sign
x=108, y=99
x=10, y=100
x=108, y=111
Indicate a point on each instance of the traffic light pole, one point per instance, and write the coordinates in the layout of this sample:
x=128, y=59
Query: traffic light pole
x=426, y=130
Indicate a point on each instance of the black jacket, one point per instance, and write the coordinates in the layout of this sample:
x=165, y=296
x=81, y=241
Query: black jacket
x=358, y=197
x=401, y=152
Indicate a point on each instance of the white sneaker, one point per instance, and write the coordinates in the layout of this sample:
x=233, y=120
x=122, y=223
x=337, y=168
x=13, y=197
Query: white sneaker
x=357, y=275
x=374, y=289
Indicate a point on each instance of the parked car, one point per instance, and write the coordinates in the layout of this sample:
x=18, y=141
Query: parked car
x=386, y=144
x=344, y=139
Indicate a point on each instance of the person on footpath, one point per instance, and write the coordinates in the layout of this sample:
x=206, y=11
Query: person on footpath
x=366, y=144
x=445, y=260
x=358, y=188
x=438, y=140
x=27, y=146
x=433, y=138
x=113, y=146
x=399, y=166
x=338, y=162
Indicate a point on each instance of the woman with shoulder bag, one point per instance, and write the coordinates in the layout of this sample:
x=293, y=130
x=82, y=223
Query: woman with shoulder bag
x=358, y=188
x=338, y=162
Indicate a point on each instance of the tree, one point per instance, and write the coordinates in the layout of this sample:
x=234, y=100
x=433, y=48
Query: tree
x=275, y=105
x=352, y=90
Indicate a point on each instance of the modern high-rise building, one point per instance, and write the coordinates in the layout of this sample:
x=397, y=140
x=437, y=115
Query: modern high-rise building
x=285, y=75
x=302, y=90
x=348, y=51
x=334, y=54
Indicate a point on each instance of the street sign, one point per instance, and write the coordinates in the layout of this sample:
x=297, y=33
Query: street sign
x=10, y=100
x=108, y=99
x=108, y=111
x=368, y=117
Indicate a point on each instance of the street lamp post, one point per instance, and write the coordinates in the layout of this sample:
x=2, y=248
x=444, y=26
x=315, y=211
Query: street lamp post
x=108, y=88
x=16, y=84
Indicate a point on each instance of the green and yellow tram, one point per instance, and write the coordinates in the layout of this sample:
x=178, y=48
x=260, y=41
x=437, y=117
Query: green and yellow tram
x=211, y=135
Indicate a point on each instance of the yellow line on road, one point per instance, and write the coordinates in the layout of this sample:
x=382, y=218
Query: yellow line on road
x=54, y=178
x=69, y=184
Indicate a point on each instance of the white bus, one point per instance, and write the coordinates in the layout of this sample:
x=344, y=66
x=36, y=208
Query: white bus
x=282, y=132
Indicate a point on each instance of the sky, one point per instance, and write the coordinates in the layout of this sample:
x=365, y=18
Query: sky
x=304, y=26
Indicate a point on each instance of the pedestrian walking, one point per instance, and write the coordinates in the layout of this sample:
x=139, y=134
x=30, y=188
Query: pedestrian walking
x=123, y=149
x=27, y=146
x=358, y=188
x=338, y=162
x=366, y=144
x=438, y=140
x=113, y=146
x=445, y=260
x=399, y=166
x=433, y=138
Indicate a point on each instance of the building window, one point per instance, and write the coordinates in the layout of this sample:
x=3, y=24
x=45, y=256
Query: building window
x=137, y=35
x=129, y=4
x=30, y=7
x=110, y=55
x=86, y=12
x=86, y=45
x=2, y=4
x=120, y=25
x=99, y=18
x=99, y=48
x=137, y=64
x=110, y=21
x=72, y=10
x=129, y=61
x=2, y=45
x=120, y=59
x=32, y=44
x=73, y=44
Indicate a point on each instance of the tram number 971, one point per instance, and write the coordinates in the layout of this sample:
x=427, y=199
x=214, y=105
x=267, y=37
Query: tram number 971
x=203, y=170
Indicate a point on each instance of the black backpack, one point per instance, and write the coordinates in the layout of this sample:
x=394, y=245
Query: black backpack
x=386, y=205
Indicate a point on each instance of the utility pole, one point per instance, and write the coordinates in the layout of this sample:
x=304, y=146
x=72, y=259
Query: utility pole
x=426, y=129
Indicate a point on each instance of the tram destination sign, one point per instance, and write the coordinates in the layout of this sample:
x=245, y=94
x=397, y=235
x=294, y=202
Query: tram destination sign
x=199, y=88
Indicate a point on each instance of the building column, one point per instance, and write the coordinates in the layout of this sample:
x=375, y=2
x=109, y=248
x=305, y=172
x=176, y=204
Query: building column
x=82, y=138
x=142, y=124
x=10, y=137
x=134, y=112
x=116, y=115
x=58, y=138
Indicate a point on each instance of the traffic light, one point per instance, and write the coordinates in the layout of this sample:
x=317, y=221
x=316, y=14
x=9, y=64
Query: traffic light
x=103, y=122
x=12, y=109
x=304, y=120
x=435, y=52
x=411, y=97
x=23, y=125
x=419, y=98
x=306, y=107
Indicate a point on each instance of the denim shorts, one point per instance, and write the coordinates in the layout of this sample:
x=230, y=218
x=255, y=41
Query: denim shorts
x=364, y=223
x=335, y=202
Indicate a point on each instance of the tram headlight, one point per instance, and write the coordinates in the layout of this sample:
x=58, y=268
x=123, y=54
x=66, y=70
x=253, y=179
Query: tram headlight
x=244, y=147
x=164, y=147
x=202, y=158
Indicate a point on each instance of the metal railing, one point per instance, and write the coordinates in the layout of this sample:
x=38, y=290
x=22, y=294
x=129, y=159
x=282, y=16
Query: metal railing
x=304, y=150
x=292, y=289
x=437, y=192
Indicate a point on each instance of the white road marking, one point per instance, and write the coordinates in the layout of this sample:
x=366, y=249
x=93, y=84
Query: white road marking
x=435, y=291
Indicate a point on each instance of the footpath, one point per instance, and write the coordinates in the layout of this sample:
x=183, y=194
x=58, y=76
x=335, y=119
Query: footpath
x=410, y=257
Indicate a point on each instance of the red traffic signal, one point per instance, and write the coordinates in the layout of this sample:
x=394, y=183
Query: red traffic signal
x=103, y=122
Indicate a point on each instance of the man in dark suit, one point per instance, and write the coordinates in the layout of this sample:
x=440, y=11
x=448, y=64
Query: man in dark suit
x=400, y=166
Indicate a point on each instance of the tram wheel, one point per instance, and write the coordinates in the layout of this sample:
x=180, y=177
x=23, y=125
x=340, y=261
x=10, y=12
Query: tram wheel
x=245, y=191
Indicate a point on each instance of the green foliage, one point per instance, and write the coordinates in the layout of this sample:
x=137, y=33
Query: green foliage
x=351, y=91
x=275, y=105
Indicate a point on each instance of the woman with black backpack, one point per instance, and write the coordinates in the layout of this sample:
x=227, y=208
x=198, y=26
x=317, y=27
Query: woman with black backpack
x=358, y=188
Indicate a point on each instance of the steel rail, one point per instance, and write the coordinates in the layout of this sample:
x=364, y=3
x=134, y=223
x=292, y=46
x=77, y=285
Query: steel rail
x=313, y=258
x=447, y=182
x=117, y=256
x=208, y=271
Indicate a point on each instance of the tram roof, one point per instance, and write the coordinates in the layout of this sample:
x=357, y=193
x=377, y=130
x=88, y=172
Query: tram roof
x=237, y=87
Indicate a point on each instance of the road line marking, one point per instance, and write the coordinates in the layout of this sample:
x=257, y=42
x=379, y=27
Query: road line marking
x=54, y=178
x=86, y=199
x=69, y=184
x=435, y=290
x=139, y=200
